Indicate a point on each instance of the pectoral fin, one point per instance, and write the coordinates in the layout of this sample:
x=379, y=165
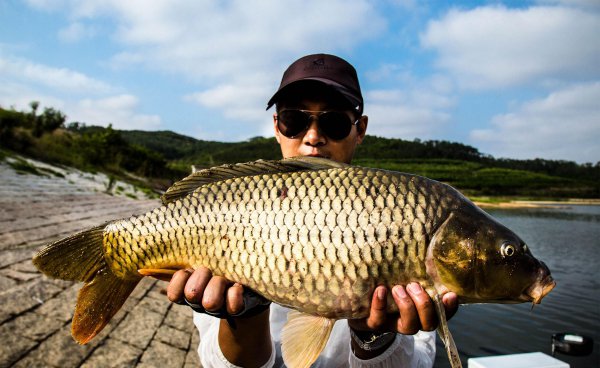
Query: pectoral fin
x=444, y=333
x=303, y=338
x=163, y=274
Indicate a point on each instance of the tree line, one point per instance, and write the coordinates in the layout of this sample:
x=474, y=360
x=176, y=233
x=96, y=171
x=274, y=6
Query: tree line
x=168, y=156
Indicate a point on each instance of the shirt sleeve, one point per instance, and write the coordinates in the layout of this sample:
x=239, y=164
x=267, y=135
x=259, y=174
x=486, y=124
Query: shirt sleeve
x=416, y=351
x=209, y=350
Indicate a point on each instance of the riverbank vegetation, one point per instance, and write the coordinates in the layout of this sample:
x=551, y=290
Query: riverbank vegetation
x=161, y=157
x=45, y=137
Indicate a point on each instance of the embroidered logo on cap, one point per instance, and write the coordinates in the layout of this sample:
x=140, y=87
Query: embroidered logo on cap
x=319, y=61
x=317, y=64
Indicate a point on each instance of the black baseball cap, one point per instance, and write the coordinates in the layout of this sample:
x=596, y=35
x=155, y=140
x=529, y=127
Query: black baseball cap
x=330, y=70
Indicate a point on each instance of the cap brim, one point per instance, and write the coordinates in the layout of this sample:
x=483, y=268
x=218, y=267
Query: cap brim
x=348, y=95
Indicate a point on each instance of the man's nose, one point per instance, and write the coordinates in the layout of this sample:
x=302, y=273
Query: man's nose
x=313, y=134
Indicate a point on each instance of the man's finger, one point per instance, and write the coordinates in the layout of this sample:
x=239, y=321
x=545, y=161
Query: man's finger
x=196, y=284
x=177, y=284
x=408, y=323
x=377, y=315
x=235, y=299
x=424, y=305
x=450, y=301
x=377, y=312
x=214, y=294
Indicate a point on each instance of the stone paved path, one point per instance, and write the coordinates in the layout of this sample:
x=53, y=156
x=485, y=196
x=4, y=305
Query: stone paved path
x=36, y=312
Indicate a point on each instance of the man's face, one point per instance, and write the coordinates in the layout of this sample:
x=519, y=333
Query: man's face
x=312, y=142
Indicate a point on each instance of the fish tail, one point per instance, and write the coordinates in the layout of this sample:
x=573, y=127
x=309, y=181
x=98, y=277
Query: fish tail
x=76, y=258
x=80, y=257
x=97, y=302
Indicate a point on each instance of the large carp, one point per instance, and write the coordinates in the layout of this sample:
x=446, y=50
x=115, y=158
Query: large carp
x=308, y=233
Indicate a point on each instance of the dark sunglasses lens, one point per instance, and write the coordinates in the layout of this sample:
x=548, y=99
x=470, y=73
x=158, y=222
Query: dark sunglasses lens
x=335, y=125
x=292, y=122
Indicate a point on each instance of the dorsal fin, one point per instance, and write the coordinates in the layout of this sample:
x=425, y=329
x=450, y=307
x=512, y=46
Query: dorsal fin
x=192, y=182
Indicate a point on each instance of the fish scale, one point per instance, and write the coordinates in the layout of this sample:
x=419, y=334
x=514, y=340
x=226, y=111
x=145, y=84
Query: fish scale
x=282, y=232
x=309, y=233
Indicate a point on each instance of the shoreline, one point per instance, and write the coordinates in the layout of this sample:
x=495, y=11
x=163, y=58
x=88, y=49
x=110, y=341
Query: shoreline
x=535, y=203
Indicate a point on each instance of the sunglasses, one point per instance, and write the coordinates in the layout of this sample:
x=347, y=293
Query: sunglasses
x=334, y=124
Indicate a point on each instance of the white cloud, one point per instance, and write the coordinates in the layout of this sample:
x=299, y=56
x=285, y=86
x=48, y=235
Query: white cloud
x=421, y=108
x=75, y=32
x=207, y=39
x=564, y=125
x=407, y=115
x=69, y=91
x=60, y=79
x=241, y=103
x=235, y=101
x=19, y=96
x=490, y=47
x=120, y=111
x=216, y=44
x=234, y=52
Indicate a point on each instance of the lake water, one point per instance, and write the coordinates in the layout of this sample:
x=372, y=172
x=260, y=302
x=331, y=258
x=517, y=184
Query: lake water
x=567, y=239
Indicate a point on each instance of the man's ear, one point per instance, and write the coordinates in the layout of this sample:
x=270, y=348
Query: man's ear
x=361, y=128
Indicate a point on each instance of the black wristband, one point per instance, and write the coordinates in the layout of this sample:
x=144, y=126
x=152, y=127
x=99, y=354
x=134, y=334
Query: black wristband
x=253, y=305
x=370, y=341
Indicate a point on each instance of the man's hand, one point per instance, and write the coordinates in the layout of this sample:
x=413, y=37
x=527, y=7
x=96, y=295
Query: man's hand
x=249, y=343
x=416, y=312
x=202, y=288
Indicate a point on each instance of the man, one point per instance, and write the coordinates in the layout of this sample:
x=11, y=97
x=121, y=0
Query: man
x=319, y=112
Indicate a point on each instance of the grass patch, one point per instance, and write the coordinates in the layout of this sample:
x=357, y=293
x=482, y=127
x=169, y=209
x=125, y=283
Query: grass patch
x=131, y=195
x=52, y=172
x=495, y=200
x=23, y=167
x=149, y=193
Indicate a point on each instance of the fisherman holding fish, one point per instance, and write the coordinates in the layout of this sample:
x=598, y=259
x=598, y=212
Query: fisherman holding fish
x=393, y=253
x=319, y=112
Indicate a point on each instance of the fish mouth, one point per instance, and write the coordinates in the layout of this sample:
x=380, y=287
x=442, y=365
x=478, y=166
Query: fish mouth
x=539, y=289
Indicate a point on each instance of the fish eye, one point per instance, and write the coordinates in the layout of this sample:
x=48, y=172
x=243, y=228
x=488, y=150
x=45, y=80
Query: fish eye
x=507, y=250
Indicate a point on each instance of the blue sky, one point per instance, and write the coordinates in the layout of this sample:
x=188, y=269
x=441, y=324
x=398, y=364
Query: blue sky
x=516, y=79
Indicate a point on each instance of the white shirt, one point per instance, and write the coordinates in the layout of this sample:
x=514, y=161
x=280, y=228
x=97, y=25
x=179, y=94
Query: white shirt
x=416, y=351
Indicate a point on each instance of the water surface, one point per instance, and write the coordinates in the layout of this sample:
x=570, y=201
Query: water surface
x=567, y=239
